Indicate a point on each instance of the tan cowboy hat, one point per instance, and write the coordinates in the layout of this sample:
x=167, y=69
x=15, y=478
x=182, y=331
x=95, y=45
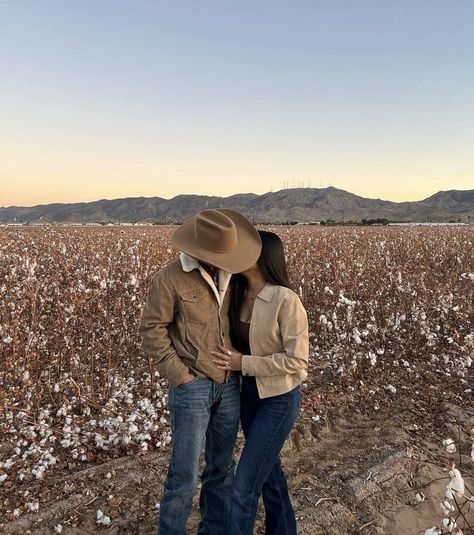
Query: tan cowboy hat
x=223, y=238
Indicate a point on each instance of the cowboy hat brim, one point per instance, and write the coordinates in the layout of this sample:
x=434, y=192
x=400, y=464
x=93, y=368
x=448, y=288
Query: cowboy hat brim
x=240, y=258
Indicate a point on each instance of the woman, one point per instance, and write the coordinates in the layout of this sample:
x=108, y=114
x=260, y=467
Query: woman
x=269, y=328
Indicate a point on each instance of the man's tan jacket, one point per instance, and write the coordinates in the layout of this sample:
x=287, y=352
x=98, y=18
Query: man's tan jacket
x=279, y=341
x=184, y=318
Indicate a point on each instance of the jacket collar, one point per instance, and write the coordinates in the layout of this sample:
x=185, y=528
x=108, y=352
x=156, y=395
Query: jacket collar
x=267, y=292
x=188, y=263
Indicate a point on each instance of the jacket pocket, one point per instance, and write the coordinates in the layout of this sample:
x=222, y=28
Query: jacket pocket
x=193, y=305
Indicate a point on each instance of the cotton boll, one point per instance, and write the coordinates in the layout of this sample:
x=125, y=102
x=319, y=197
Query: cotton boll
x=451, y=448
x=102, y=519
x=447, y=507
x=38, y=472
x=448, y=443
x=33, y=506
x=7, y=464
x=456, y=483
x=449, y=523
x=372, y=358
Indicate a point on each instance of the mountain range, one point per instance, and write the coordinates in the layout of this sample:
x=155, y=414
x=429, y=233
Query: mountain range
x=296, y=204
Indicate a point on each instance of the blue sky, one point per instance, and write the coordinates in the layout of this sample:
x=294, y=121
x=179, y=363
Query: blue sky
x=106, y=99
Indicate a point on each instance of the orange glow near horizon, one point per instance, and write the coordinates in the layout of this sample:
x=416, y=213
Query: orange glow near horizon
x=29, y=182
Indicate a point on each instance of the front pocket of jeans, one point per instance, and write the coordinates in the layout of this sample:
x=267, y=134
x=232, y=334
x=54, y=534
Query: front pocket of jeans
x=188, y=383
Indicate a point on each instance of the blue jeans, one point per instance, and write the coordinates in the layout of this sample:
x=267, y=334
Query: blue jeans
x=266, y=424
x=201, y=410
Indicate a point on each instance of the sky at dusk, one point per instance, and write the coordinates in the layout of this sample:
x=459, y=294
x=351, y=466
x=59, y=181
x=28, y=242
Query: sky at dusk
x=112, y=98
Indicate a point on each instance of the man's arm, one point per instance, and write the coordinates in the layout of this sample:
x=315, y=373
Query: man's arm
x=157, y=314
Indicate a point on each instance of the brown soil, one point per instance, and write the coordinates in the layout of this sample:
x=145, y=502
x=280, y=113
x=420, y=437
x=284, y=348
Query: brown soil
x=354, y=475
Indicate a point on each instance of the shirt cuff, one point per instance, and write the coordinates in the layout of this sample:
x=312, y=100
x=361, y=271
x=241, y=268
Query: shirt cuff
x=247, y=365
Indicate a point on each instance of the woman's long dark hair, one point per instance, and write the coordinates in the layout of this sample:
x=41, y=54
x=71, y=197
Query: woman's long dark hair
x=272, y=265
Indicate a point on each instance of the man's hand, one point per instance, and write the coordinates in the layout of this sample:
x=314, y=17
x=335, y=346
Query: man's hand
x=187, y=378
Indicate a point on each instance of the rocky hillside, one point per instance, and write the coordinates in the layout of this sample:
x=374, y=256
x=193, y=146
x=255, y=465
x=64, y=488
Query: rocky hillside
x=298, y=204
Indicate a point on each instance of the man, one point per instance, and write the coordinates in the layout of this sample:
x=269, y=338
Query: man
x=185, y=317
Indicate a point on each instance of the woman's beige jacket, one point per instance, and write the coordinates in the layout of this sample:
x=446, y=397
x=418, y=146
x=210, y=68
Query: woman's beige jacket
x=279, y=341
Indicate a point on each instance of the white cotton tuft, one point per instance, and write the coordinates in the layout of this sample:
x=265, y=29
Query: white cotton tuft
x=420, y=497
x=447, y=507
x=102, y=519
x=456, y=483
x=449, y=445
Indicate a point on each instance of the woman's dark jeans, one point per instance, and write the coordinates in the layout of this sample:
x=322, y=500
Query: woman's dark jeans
x=266, y=424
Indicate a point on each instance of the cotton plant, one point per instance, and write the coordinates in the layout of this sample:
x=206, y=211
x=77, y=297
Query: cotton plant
x=454, y=500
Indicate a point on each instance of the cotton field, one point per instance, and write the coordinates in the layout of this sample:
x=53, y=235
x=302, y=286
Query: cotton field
x=391, y=314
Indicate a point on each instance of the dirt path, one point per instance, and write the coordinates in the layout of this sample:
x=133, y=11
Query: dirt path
x=353, y=476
